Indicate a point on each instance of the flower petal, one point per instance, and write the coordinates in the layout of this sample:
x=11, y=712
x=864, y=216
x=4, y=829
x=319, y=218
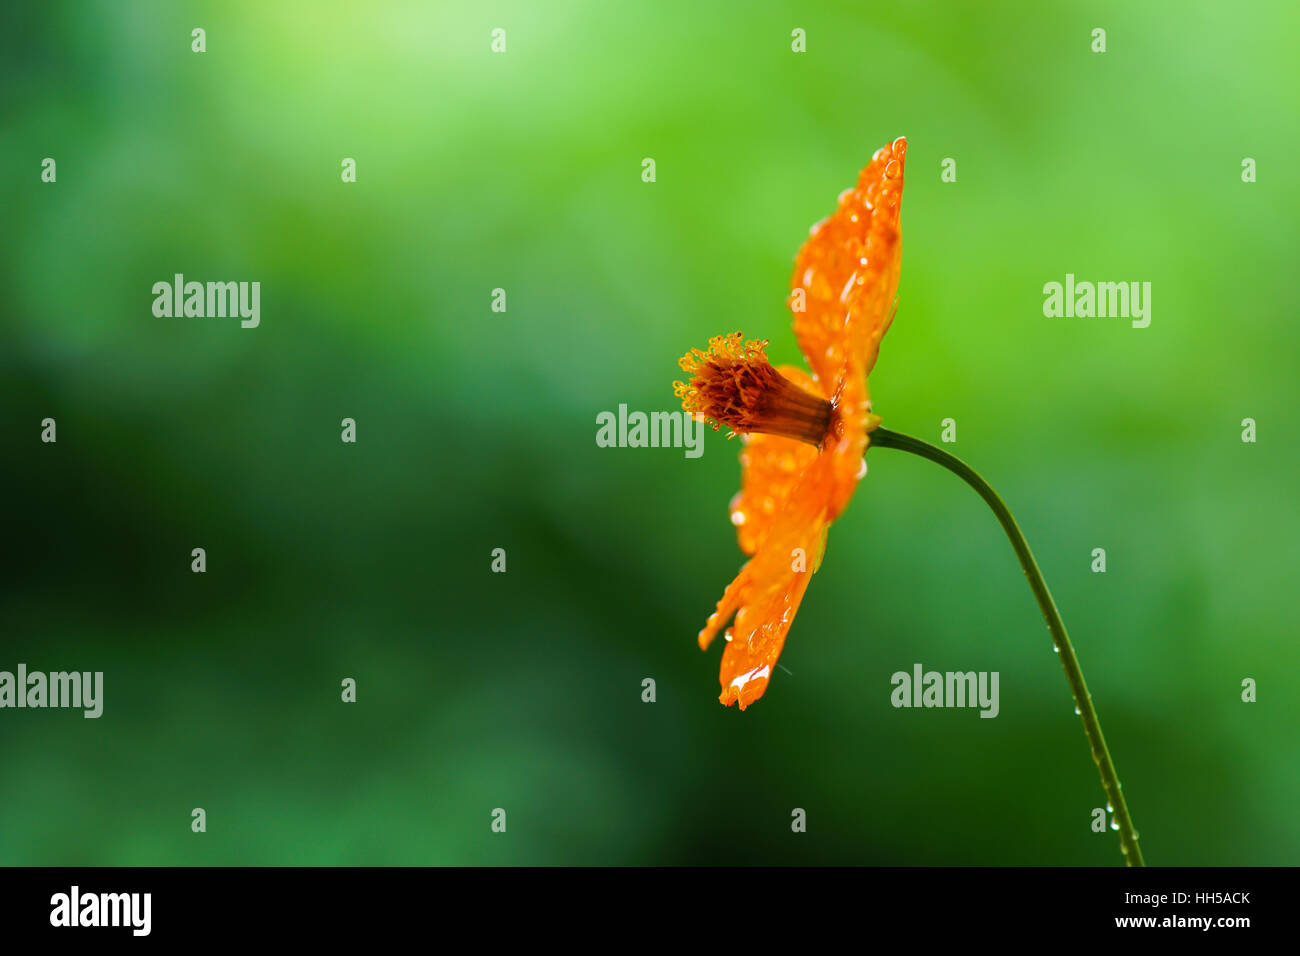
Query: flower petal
x=770, y=468
x=768, y=590
x=846, y=275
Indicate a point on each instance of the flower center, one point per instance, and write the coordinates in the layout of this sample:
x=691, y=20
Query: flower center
x=734, y=384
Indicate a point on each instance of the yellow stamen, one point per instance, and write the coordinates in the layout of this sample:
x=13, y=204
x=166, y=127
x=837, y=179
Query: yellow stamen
x=734, y=384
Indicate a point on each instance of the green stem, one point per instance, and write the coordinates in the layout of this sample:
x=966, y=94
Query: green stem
x=1128, y=835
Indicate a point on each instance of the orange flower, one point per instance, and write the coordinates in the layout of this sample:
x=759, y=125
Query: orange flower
x=805, y=435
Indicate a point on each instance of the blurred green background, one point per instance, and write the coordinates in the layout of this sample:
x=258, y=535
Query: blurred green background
x=476, y=430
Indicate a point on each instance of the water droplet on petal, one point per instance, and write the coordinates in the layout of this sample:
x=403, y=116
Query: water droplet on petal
x=758, y=673
x=862, y=470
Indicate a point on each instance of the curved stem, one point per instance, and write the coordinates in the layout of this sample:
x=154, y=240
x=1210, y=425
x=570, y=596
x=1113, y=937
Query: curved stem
x=1128, y=835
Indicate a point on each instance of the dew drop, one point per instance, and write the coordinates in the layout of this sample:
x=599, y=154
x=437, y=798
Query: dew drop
x=1114, y=824
x=862, y=470
x=1077, y=711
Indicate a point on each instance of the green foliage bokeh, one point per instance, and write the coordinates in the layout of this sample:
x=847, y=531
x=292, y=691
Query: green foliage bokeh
x=476, y=430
